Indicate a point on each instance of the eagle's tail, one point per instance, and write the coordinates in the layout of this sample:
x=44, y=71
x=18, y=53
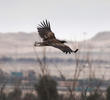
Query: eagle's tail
x=75, y=50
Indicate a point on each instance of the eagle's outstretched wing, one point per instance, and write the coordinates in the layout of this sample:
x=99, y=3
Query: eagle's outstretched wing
x=49, y=38
x=44, y=31
x=63, y=47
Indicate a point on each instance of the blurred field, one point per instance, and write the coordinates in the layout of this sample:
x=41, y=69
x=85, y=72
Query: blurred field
x=17, y=54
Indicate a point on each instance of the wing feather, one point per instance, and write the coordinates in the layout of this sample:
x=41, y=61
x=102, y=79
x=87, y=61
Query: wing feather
x=44, y=30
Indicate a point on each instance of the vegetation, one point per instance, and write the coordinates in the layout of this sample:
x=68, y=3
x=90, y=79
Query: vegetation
x=108, y=93
x=47, y=88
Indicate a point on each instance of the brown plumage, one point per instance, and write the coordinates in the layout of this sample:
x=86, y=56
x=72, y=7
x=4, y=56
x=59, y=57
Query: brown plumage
x=49, y=38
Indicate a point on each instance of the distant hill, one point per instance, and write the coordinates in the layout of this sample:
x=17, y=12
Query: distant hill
x=102, y=36
x=17, y=42
x=21, y=43
x=18, y=36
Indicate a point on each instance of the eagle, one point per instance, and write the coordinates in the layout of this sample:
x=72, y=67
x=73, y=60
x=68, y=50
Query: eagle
x=49, y=39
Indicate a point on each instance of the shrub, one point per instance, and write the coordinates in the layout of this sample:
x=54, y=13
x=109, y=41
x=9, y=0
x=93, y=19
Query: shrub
x=46, y=88
x=108, y=93
x=29, y=96
x=15, y=95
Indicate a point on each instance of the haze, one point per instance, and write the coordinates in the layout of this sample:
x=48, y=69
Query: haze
x=69, y=18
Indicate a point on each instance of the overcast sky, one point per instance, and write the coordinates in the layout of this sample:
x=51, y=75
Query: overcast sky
x=69, y=18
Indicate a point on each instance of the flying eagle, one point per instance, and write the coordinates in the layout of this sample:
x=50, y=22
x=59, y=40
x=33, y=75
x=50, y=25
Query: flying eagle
x=49, y=38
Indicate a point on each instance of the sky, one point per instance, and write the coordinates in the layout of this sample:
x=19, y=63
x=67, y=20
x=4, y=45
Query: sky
x=70, y=19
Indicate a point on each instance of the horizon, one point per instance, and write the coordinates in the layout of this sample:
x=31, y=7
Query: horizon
x=84, y=37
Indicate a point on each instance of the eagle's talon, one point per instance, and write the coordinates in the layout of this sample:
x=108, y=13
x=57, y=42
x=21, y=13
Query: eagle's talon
x=36, y=43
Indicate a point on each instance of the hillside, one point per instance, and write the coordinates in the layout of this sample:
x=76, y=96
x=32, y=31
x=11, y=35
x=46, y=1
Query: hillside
x=102, y=36
x=21, y=43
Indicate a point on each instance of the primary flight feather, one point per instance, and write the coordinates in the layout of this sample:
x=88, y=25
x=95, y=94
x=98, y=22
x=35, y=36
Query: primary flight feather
x=49, y=38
